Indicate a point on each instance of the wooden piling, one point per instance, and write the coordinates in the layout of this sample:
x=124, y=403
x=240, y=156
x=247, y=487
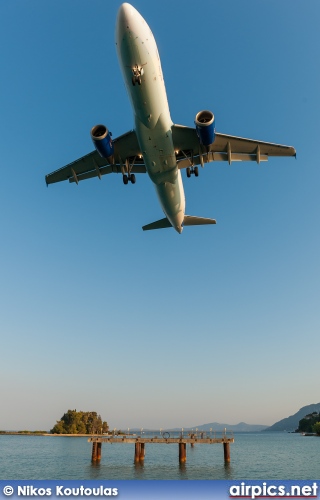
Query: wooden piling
x=99, y=451
x=226, y=450
x=182, y=452
x=137, y=450
x=192, y=437
x=96, y=451
x=142, y=452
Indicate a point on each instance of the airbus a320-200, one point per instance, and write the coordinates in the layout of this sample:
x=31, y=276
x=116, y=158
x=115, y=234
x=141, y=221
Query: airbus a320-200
x=156, y=146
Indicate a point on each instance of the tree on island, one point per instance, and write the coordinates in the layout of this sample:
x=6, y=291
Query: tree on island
x=316, y=428
x=80, y=422
x=310, y=423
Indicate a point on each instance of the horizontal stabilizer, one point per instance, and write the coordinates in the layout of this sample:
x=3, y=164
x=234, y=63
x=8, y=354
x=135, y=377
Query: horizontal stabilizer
x=159, y=224
x=190, y=220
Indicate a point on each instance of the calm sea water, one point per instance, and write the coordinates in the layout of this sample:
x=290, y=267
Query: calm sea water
x=253, y=456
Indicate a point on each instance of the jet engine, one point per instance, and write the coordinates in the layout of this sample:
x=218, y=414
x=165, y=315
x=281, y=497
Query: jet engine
x=205, y=123
x=102, y=141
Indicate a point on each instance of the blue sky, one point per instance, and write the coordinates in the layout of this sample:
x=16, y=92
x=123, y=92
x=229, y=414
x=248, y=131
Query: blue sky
x=158, y=329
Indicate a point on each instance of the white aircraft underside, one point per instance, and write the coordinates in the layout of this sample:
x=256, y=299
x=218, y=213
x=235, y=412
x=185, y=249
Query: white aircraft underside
x=156, y=146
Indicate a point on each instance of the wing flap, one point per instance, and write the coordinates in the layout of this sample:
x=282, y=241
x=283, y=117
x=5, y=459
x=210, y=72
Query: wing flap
x=249, y=146
x=93, y=165
x=209, y=157
x=85, y=164
x=109, y=169
x=224, y=148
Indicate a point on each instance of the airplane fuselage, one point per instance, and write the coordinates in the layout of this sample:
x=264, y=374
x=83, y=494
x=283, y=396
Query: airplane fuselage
x=141, y=68
x=166, y=148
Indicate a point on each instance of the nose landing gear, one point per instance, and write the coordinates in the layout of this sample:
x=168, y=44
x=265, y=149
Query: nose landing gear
x=137, y=73
x=136, y=79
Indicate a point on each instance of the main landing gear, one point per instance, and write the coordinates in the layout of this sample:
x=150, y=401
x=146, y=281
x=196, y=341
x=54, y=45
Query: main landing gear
x=126, y=170
x=192, y=170
x=130, y=177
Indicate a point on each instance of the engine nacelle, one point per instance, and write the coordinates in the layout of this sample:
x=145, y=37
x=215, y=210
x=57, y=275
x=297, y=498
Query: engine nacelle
x=102, y=141
x=204, y=123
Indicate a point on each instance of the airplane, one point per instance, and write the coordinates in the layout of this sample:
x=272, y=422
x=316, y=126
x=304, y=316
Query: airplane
x=157, y=146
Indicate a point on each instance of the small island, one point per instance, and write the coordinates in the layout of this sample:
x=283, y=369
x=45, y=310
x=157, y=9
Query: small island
x=80, y=422
x=76, y=423
x=310, y=424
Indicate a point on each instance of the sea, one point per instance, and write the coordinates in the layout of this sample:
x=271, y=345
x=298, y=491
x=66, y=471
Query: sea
x=262, y=455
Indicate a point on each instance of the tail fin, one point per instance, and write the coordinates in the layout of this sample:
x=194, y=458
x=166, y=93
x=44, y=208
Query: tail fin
x=189, y=220
x=159, y=224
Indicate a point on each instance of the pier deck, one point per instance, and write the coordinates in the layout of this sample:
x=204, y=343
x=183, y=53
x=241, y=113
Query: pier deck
x=182, y=441
x=134, y=440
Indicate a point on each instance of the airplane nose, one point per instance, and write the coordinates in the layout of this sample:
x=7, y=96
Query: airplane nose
x=124, y=21
x=130, y=21
x=125, y=14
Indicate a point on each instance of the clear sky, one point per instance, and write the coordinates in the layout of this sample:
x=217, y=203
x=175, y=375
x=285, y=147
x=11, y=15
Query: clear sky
x=159, y=329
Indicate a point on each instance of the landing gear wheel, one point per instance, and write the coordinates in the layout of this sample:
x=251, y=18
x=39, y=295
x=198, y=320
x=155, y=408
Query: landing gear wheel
x=139, y=80
x=196, y=171
x=132, y=178
x=188, y=172
x=133, y=80
x=125, y=179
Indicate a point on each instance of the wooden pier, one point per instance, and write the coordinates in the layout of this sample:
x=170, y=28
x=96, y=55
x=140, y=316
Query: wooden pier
x=140, y=442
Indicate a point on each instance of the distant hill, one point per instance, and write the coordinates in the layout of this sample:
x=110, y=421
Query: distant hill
x=216, y=426
x=291, y=423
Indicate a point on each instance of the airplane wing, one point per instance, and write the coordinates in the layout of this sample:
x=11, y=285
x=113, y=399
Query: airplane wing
x=224, y=148
x=126, y=148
